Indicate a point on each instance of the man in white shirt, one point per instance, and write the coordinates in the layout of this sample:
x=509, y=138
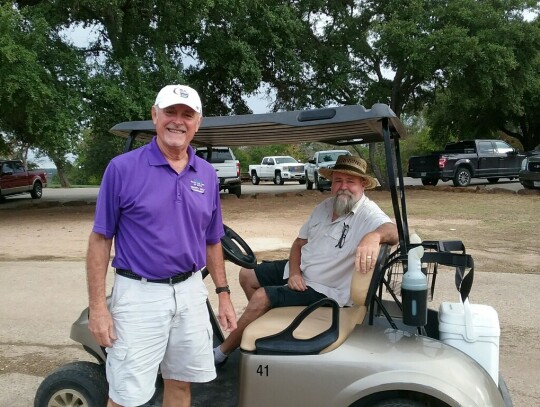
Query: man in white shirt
x=341, y=236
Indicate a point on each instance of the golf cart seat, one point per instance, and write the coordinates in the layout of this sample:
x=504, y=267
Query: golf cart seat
x=318, y=328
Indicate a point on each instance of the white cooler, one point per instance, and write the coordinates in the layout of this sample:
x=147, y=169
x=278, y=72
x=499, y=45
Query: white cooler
x=473, y=329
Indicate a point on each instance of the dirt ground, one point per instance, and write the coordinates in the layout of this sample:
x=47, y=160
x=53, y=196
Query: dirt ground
x=43, y=289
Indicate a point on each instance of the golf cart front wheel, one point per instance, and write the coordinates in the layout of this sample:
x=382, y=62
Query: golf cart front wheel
x=81, y=384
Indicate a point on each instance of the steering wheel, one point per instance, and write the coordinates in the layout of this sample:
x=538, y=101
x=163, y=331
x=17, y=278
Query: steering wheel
x=237, y=250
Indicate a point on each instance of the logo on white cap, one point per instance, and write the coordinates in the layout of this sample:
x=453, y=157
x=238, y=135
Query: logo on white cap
x=181, y=92
x=178, y=95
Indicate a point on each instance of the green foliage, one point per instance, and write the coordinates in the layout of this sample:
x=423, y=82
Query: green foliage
x=470, y=66
x=419, y=139
x=495, y=88
x=40, y=101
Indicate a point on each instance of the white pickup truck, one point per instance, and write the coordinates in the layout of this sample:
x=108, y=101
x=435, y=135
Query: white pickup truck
x=321, y=159
x=278, y=169
x=227, y=168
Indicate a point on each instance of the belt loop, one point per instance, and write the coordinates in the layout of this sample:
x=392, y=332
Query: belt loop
x=170, y=281
x=144, y=280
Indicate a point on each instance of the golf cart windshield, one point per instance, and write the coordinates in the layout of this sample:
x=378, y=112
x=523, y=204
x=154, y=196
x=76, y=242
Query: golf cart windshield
x=339, y=126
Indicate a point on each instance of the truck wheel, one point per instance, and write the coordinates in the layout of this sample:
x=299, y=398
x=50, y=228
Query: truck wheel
x=309, y=184
x=278, y=179
x=75, y=384
x=316, y=180
x=37, y=191
x=527, y=185
x=430, y=181
x=398, y=403
x=254, y=179
x=493, y=180
x=462, y=177
x=236, y=190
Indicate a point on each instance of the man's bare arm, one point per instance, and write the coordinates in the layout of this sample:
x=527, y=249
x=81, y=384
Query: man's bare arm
x=97, y=263
x=216, y=267
x=368, y=248
x=296, y=281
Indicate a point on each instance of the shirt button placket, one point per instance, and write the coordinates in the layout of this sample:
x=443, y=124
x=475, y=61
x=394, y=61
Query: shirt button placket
x=179, y=188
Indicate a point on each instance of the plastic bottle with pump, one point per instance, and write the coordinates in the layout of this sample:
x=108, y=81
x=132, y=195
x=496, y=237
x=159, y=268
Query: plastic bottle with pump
x=414, y=287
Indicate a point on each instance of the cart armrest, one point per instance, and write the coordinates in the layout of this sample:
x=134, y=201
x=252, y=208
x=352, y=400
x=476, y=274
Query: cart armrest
x=284, y=343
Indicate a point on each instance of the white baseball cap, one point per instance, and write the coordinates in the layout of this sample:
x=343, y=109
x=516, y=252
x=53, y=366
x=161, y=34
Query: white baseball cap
x=178, y=95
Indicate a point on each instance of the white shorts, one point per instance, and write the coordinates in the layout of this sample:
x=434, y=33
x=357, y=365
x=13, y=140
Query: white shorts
x=158, y=326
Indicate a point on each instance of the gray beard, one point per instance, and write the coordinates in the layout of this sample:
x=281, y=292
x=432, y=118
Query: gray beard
x=343, y=203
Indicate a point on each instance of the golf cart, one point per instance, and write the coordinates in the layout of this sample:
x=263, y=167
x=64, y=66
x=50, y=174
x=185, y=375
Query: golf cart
x=388, y=349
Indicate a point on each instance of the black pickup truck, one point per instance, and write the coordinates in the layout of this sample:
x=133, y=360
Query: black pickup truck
x=463, y=160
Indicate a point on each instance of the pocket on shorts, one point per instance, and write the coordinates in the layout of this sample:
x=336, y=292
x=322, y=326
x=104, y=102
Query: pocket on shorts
x=119, y=296
x=117, y=352
x=115, y=368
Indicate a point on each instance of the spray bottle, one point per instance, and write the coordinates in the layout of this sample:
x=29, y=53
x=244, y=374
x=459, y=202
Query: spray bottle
x=414, y=287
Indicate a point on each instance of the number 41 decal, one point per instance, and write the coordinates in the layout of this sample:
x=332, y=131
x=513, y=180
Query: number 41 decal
x=262, y=370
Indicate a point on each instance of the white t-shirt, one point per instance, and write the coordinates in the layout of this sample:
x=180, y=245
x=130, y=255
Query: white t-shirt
x=325, y=267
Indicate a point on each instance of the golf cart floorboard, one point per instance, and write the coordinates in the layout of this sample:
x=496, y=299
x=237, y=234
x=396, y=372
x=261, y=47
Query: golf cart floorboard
x=223, y=390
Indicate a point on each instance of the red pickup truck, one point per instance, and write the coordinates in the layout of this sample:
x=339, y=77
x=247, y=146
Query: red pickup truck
x=15, y=179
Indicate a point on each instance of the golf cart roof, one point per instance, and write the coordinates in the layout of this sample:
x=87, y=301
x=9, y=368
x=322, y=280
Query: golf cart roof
x=334, y=125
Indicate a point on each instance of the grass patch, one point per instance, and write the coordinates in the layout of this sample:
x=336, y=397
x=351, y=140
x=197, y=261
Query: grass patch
x=500, y=230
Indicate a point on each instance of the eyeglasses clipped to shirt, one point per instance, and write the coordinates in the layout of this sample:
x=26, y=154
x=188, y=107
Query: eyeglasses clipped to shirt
x=344, y=232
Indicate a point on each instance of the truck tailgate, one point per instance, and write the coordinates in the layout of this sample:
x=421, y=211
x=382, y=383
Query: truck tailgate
x=226, y=169
x=424, y=163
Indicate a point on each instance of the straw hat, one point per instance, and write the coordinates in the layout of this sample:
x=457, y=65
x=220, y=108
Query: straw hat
x=351, y=165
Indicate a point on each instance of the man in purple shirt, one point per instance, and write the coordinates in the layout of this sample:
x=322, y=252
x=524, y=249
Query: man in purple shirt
x=160, y=203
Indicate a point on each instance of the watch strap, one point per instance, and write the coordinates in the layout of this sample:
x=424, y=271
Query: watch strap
x=224, y=289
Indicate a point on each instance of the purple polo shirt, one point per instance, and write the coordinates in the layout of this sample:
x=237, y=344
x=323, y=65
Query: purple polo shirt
x=161, y=221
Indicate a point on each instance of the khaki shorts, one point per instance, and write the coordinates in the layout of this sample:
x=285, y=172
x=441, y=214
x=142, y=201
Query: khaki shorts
x=158, y=326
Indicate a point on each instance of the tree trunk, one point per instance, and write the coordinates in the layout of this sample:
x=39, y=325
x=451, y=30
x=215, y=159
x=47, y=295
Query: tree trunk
x=64, y=182
x=61, y=172
x=379, y=173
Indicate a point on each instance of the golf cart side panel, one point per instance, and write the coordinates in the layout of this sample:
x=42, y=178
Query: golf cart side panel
x=81, y=334
x=338, y=125
x=372, y=360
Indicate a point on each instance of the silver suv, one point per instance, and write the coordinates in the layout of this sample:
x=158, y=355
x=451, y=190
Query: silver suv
x=227, y=168
x=321, y=159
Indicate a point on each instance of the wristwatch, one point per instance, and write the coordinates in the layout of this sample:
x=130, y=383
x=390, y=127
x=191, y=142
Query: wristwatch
x=223, y=289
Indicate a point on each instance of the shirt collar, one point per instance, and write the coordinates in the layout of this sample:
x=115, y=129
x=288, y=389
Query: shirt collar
x=359, y=203
x=156, y=157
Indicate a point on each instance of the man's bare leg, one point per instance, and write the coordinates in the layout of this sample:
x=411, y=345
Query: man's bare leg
x=258, y=305
x=176, y=393
x=248, y=282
